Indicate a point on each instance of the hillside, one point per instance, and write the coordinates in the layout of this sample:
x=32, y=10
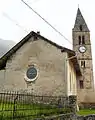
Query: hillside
x=5, y=45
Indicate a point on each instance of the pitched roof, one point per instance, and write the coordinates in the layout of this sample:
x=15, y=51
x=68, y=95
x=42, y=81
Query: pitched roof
x=7, y=56
x=80, y=24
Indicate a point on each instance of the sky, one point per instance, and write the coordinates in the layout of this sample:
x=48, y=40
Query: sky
x=17, y=20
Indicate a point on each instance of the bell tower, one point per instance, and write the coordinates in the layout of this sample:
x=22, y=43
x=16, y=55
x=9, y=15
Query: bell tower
x=82, y=47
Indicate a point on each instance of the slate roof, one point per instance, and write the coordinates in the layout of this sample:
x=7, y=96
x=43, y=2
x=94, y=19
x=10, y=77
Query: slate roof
x=80, y=22
x=7, y=56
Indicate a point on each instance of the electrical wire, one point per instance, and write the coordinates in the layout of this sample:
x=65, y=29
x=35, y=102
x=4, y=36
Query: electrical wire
x=7, y=16
x=14, y=21
x=46, y=22
x=35, y=1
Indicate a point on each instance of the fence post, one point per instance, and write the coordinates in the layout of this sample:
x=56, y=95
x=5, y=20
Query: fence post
x=14, y=104
x=73, y=105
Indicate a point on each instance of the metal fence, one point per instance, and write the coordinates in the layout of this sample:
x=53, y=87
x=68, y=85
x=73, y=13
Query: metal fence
x=15, y=106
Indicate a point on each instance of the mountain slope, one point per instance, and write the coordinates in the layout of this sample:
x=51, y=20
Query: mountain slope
x=5, y=45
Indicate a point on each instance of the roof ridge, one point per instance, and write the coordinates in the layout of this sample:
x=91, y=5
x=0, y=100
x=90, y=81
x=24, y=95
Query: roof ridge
x=6, y=56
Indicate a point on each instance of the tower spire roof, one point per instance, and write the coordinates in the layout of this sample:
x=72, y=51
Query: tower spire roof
x=80, y=24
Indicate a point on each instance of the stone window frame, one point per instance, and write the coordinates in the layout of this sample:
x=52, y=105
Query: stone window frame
x=31, y=80
x=81, y=40
x=83, y=63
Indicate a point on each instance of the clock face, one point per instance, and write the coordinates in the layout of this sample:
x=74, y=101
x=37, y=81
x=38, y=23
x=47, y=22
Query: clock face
x=31, y=72
x=82, y=49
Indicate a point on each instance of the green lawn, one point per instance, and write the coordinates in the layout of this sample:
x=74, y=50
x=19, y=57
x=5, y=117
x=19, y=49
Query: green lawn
x=32, y=110
x=86, y=112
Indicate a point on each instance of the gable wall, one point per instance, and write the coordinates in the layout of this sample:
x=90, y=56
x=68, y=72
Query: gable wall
x=50, y=63
x=2, y=79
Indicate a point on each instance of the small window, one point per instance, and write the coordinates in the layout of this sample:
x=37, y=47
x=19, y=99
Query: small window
x=80, y=27
x=81, y=84
x=79, y=40
x=83, y=40
x=83, y=64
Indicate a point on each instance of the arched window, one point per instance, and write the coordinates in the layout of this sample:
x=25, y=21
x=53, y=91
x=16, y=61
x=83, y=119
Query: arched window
x=83, y=64
x=79, y=40
x=83, y=40
x=80, y=27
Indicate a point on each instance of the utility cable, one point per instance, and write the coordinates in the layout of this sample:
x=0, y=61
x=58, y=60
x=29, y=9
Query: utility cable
x=35, y=1
x=46, y=21
x=14, y=21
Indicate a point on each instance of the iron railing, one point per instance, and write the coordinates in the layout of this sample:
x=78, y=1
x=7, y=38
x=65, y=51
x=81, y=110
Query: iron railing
x=14, y=105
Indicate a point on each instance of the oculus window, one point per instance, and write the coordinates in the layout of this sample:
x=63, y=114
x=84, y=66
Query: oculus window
x=31, y=74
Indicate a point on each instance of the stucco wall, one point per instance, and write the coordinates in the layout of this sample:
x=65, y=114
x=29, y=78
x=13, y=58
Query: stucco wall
x=50, y=63
x=88, y=96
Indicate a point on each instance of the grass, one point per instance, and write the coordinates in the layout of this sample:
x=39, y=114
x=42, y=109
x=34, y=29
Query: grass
x=86, y=112
x=29, y=110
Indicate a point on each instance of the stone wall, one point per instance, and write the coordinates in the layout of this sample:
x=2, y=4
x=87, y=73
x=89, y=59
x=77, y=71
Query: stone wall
x=68, y=117
x=87, y=99
x=58, y=117
x=87, y=72
x=49, y=62
x=89, y=117
x=2, y=79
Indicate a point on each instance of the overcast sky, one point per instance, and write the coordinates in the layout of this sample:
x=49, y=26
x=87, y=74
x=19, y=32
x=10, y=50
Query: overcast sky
x=17, y=20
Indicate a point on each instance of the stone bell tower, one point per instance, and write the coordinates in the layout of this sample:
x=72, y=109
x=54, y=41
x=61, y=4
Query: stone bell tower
x=82, y=47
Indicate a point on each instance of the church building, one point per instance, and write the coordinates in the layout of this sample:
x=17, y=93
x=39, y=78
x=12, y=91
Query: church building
x=41, y=66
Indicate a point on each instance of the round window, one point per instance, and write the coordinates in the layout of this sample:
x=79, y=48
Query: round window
x=31, y=72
